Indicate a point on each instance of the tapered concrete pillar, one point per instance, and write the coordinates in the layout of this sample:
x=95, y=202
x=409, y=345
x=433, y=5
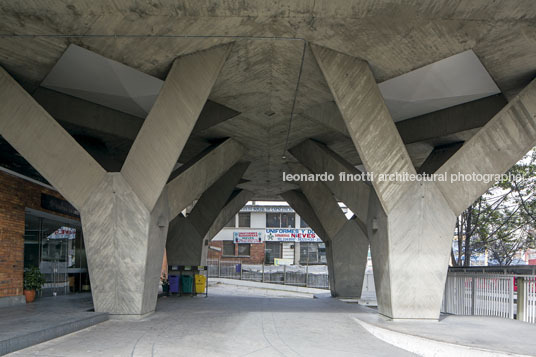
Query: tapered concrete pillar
x=411, y=223
x=348, y=243
x=125, y=215
x=186, y=243
x=234, y=204
x=299, y=203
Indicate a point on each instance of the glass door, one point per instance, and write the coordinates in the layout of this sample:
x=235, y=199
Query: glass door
x=56, y=247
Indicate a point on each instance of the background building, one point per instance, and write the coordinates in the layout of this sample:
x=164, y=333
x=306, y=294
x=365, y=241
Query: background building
x=270, y=234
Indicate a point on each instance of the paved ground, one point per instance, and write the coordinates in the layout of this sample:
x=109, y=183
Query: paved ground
x=28, y=324
x=232, y=321
x=475, y=332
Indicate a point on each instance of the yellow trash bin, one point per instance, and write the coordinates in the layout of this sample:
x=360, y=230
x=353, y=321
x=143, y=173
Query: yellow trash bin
x=200, y=283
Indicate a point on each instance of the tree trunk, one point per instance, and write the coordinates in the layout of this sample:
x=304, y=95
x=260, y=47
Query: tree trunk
x=460, y=241
x=468, y=233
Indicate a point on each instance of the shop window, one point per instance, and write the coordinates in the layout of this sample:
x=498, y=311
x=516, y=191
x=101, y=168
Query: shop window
x=231, y=223
x=312, y=253
x=244, y=249
x=244, y=219
x=228, y=248
x=280, y=220
x=55, y=245
x=272, y=250
x=303, y=224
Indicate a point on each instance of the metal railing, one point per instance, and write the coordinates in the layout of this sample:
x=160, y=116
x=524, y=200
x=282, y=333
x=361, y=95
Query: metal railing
x=526, y=299
x=497, y=295
x=298, y=275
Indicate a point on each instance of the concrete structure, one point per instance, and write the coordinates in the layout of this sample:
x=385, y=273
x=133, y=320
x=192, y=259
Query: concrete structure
x=125, y=215
x=187, y=240
x=402, y=85
x=346, y=240
x=404, y=213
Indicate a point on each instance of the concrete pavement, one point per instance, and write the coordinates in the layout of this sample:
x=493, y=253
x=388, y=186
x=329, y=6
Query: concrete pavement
x=232, y=321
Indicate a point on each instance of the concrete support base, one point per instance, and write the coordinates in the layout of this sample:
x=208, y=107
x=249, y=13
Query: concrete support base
x=349, y=251
x=124, y=245
x=410, y=250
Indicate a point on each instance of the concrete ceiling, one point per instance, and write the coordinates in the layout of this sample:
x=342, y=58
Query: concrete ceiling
x=260, y=77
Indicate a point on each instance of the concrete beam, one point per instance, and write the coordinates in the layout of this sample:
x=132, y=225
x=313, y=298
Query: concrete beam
x=213, y=114
x=85, y=114
x=157, y=146
x=493, y=150
x=348, y=243
x=324, y=204
x=214, y=199
x=318, y=158
x=449, y=121
x=299, y=203
x=196, y=176
x=45, y=144
x=358, y=97
x=441, y=123
x=88, y=115
x=186, y=237
x=438, y=156
x=238, y=199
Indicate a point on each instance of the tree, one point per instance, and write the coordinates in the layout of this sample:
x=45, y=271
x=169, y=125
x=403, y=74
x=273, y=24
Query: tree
x=503, y=220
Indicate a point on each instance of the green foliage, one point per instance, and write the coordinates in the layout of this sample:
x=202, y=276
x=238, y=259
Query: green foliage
x=503, y=220
x=33, y=279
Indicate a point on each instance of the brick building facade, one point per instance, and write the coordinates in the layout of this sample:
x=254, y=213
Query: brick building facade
x=17, y=194
x=256, y=253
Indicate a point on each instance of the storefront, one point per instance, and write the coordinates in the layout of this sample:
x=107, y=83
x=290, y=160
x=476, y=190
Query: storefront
x=270, y=235
x=38, y=227
x=55, y=244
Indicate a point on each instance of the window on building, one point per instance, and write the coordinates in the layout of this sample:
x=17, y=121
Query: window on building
x=244, y=249
x=244, y=219
x=228, y=248
x=312, y=253
x=280, y=220
x=303, y=224
x=231, y=223
x=272, y=250
x=273, y=220
x=288, y=220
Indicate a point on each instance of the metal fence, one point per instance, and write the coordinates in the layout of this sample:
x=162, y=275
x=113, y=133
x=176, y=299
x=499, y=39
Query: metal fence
x=298, y=275
x=501, y=295
x=526, y=299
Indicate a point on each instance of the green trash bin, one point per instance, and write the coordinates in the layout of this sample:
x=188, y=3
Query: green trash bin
x=187, y=284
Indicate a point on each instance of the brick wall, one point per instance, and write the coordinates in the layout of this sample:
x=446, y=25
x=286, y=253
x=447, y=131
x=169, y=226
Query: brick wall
x=15, y=195
x=256, y=253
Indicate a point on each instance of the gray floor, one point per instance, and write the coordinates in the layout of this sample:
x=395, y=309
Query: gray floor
x=232, y=321
x=25, y=325
x=482, y=332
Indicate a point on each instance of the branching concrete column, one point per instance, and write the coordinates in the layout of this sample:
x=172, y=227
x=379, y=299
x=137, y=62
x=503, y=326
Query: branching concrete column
x=125, y=214
x=299, y=203
x=411, y=223
x=186, y=243
x=238, y=199
x=348, y=242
